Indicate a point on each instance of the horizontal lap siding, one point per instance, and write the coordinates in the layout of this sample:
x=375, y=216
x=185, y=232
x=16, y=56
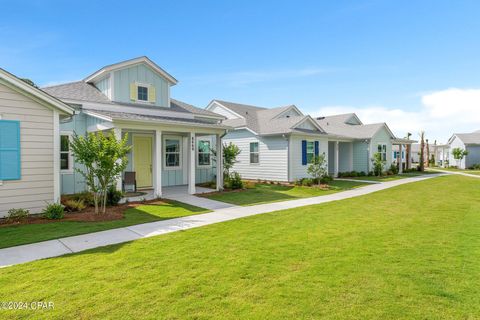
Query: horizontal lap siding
x=298, y=170
x=382, y=137
x=360, y=156
x=456, y=143
x=473, y=156
x=35, y=187
x=273, y=156
x=345, y=154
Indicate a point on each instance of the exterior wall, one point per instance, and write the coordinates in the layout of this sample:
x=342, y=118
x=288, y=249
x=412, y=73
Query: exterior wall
x=143, y=74
x=382, y=137
x=273, y=156
x=72, y=181
x=345, y=156
x=456, y=143
x=473, y=156
x=36, y=186
x=104, y=86
x=298, y=170
x=223, y=111
x=360, y=156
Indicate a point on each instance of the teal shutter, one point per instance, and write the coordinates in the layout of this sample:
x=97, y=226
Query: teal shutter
x=304, y=152
x=9, y=150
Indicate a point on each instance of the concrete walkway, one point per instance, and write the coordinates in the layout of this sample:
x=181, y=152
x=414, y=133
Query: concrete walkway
x=54, y=248
x=456, y=172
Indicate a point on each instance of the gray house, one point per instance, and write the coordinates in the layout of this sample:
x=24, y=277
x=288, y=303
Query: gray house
x=278, y=144
x=465, y=141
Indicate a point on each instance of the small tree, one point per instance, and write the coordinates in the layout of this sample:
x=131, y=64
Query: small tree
x=459, y=154
x=421, y=165
x=104, y=158
x=378, y=163
x=318, y=168
x=230, y=153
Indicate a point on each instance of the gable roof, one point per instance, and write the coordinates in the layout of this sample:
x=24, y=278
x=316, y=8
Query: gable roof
x=123, y=64
x=468, y=138
x=82, y=92
x=10, y=80
x=264, y=121
x=78, y=90
x=337, y=124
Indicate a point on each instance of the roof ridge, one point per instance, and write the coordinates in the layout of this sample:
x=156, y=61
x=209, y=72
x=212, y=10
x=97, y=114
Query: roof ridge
x=62, y=84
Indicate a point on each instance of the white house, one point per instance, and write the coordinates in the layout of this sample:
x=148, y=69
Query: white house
x=465, y=141
x=29, y=145
x=278, y=144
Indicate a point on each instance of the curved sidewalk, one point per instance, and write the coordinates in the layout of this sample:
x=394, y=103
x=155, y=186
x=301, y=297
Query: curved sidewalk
x=53, y=248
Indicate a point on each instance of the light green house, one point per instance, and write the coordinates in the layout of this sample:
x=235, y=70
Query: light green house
x=171, y=141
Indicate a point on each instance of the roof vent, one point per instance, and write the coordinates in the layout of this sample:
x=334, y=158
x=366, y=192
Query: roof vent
x=287, y=116
x=320, y=118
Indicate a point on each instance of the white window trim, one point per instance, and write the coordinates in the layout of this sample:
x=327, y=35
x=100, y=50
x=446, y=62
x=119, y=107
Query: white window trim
x=313, y=153
x=180, y=152
x=381, y=146
x=70, y=156
x=250, y=153
x=209, y=153
x=148, y=86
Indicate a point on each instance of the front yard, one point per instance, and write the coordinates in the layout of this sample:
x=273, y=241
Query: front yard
x=392, y=177
x=15, y=235
x=410, y=252
x=469, y=171
x=264, y=193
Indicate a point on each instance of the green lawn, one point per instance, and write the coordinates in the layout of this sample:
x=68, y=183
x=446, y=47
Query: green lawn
x=264, y=193
x=410, y=252
x=475, y=172
x=29, y=233
x=392, y=177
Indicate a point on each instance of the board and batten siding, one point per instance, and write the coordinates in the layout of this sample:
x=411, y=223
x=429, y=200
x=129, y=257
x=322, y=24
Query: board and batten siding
x=456, y=143
x=345, y=156
x=360, y=156
x=143, y=74
x=36, y=186
x=298, y=170
x=473, y=156
x=382, y=137
x=273, y=156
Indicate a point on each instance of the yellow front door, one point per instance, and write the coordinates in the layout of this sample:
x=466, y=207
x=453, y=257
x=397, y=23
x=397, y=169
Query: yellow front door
x=142, y=160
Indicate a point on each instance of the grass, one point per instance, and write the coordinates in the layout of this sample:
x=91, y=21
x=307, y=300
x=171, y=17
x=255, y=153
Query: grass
x=392, y=177
x=29, y=233
x=410, y=252
x=264, y=193
x=469, y=171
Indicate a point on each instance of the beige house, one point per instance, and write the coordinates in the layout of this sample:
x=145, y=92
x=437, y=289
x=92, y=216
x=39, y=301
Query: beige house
x=29, y=145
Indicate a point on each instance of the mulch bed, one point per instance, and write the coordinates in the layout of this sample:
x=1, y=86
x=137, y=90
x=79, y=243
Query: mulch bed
x=86, y=215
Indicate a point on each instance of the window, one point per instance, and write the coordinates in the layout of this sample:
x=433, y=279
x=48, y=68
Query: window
x=172, y=153
x=65, y=156
x=254, y=152
x=382, y=149
x=310, y=151
x=142, y=93
x=203, y=153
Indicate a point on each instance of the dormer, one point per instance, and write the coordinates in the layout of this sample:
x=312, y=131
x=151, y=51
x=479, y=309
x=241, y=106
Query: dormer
x=137, y=81
x=353, y=120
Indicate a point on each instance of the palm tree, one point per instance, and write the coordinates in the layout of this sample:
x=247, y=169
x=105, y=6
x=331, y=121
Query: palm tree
x=421, y=165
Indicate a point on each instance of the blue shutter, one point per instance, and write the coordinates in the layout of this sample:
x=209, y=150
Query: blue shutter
x=316, y=148
x=9, y=150
x=304, y=152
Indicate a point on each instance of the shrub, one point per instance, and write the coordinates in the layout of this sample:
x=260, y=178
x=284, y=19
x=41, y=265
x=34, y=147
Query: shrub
x=393, y=168
x=54, y=211
x=307, y=182
x=17, y=215
x=326, y=179
x=233, y=181
x=475, y=166
x=113, y=196
x=248, y=184
x=85, y=196
x=72, y=205
x=362, y=174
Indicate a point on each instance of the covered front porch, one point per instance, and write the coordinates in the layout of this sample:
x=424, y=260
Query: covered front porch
x=170, y=160
x=402, y=153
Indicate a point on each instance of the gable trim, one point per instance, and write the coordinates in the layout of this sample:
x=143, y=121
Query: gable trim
x=129, y=63
x=287, y=110
x=209, y=107
x=313, y=122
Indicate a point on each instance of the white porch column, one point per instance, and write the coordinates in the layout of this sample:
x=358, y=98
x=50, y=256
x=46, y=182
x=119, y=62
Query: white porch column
x=157, y=165
x=400, y=162
x=56, y=156
x=219, y=148
x=117, y=132
x=191, y=163
x=336, y=158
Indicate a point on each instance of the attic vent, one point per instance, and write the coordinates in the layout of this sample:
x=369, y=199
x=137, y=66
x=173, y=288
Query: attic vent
x=320, y=118
x=288, y=116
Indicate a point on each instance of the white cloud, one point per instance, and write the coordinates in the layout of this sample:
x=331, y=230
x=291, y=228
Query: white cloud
x=441, y=114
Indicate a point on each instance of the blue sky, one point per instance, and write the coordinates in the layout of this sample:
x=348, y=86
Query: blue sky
x=387, y=60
